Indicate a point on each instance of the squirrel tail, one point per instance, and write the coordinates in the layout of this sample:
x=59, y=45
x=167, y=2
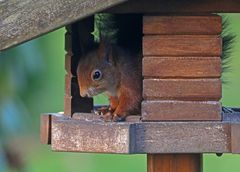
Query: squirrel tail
x=228, y=40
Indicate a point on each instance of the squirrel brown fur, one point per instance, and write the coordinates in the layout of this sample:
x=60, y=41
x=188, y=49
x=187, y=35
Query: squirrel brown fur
x=116, y=72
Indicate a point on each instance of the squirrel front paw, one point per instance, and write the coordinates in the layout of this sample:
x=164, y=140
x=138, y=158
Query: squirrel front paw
x=102, y=110
x=109, y=117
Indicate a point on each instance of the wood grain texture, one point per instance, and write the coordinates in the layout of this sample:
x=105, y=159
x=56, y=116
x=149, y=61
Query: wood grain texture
x=182, y=137
x=167, y=110
x=182, y=45
x=45, y=129
x=235, y=138
x=182, y=89
x=174, y=163
x=182, y=25
x=92, y=135
x=24, y=20
x=80, y=136
x=181, y=67
x=177, y=6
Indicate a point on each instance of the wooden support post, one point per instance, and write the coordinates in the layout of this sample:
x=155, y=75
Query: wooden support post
x=77, y=38
x=174, y=163
x=45, y=129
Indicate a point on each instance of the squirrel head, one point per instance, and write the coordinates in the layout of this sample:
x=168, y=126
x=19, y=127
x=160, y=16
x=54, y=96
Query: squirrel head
x=97, y=71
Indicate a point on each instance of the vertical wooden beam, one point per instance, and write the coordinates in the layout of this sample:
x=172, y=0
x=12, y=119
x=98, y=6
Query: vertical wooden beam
x=45, y=128
x=174, y=163
x=77, y=38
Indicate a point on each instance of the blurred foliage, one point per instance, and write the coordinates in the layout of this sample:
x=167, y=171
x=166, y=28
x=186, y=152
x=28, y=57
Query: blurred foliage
x=105, y=27
x=32, y=82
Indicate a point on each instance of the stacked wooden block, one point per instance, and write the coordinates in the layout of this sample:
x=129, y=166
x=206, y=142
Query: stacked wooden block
x=181, y=68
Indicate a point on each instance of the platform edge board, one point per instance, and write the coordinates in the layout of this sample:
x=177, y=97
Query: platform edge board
x=73, y=135
x=79, y=135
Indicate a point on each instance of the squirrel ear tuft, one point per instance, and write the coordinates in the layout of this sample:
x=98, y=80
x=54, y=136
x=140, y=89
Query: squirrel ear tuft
x=106, y=52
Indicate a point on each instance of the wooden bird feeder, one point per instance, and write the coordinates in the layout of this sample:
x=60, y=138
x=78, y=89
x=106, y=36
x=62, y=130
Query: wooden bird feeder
x=181, y=116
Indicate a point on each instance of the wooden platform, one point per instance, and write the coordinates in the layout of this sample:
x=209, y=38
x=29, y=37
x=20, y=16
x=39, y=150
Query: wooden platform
x=88, y=133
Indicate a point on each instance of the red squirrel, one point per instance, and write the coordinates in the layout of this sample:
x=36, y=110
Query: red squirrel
x=116, y=72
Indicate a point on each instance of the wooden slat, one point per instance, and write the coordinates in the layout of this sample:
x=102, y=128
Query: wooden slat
x=174, y=163
x=182, y=137
x=70, y=134
x=182, y=67
x=235, y=138
x=24, y=20
x=45, y=129
x=182, y=89
x=177, y=6
x=182, y=45
x=182, y=25
x=167, y=110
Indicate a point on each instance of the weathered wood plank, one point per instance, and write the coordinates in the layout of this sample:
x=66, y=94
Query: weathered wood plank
x=174, y=163
x=182, y=25
x=140, y=137
x=235, y=138
x=81, y=136
x=45, y=129
x=182, y=137
x=167, y=110
x=182, y=45
x=24, y=20
x=177, y=6
x=182, y=89
x=181, y=67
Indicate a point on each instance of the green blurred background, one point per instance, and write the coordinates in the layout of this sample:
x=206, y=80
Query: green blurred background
x=32, y=82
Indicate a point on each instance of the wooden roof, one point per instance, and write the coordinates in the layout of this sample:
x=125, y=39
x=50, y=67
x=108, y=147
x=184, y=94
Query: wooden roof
x=22, y=20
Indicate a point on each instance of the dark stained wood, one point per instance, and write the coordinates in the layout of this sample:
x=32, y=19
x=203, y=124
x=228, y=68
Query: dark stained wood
x=174, y=162
x=182, y=89
x=77, y=39
x=177, y=6
x=182, y=45
x=88, y=135
x=45, y=129
x=182, y=25
x=77, y=104
x=235, y=138
x=167, y=110
x=24, y=20
x=181, y=67
x=71, y=85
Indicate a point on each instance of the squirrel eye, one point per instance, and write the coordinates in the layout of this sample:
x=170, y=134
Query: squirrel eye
x=96, y=75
